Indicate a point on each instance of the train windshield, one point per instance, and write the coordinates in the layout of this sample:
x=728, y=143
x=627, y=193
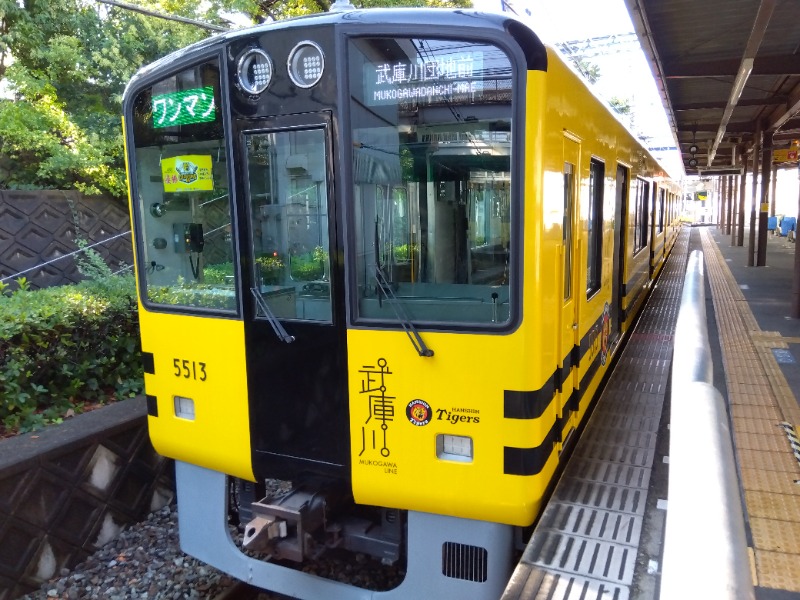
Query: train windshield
x=180, y=182
x=431, y=122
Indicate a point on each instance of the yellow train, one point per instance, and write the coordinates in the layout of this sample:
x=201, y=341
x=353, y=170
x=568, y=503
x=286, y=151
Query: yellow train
x=386, y=257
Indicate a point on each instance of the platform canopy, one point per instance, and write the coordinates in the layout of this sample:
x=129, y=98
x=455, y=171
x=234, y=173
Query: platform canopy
x=726, y=70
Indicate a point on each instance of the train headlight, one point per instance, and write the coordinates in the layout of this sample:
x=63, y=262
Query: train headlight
x=454, y=447
x=184, y=408
x=306, y=64
x=255, y=71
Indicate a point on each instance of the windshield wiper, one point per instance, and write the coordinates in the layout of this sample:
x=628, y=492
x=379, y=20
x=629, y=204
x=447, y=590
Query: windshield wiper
x=273, y=320
x=385, y=287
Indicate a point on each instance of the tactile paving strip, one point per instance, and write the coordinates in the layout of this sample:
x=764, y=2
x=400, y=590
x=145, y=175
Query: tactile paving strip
x=760, y=400
x=587, y=541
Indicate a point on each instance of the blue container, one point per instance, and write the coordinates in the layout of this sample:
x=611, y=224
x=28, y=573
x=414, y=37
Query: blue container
x=787, y=225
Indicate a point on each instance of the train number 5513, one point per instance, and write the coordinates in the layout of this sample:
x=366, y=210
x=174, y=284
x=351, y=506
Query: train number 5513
x=189, y=369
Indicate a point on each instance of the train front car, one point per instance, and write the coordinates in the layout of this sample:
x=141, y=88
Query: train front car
x=349, y=281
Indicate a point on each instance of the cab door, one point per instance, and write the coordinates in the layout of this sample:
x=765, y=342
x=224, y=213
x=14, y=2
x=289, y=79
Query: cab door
x=568, y=329
x=294, y=313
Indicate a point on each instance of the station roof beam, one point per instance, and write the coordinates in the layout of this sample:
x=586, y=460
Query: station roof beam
x=725, y=70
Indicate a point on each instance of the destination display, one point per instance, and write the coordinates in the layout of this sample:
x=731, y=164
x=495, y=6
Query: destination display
x=185, y=107
x=451, y=78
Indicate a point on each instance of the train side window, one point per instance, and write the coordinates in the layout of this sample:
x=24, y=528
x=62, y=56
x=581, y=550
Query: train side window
x=180, y=194
x=662, y=194
x=569, y=209
x=641, y=218
x=431, y=180
x=594, y=246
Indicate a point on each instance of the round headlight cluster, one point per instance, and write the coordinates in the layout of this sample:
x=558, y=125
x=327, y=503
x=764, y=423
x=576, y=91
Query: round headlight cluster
x=306, y=64
x=255, y=71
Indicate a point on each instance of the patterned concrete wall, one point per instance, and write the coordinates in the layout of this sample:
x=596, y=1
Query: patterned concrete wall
x=40, y=226
x=68, y=489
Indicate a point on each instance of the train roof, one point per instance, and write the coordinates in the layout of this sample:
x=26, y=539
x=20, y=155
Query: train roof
x=442, y=22
x=446, y=22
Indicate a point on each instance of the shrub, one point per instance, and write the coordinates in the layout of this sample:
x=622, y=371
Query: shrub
x=217, y=273
x=62, y=346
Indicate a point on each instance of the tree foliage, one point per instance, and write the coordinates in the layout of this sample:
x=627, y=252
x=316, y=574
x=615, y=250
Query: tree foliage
x=264, y=10
x=64, y=65
x=587, y=68
x=621, y=105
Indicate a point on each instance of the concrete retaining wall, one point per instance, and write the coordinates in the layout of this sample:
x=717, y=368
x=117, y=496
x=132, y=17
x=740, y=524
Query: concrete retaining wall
x=40, y=226
x=70, y=488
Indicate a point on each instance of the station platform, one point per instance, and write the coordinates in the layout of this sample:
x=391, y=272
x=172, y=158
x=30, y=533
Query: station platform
x=760, y=348
x=602, y=533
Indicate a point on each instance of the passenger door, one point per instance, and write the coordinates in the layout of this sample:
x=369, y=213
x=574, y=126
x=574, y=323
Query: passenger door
x=620, y=227
x=568, y=336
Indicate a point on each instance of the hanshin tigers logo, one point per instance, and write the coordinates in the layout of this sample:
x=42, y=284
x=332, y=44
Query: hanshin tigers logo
x=605, y=334
x=419, y=412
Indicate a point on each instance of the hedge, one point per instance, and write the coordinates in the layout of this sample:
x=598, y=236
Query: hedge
x=62, y=347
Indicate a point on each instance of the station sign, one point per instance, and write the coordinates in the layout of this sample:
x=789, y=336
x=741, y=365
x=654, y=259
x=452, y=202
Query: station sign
x=784, y=155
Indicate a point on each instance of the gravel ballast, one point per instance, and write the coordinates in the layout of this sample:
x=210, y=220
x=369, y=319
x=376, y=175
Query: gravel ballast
x=145, y=561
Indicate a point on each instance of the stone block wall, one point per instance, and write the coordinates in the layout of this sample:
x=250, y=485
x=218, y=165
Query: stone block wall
x=70, y=488
x=40, y=228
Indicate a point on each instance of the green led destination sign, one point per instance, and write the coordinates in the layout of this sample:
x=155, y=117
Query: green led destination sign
x=184, y=108
x=454, y=78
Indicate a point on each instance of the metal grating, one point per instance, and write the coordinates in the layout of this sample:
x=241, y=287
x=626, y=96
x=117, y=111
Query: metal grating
x=601, y=495
x=589, y=469
x=594, y=523
x=587, y=541
x=632, y=438
x=461, y=561
x=625, y=422
x=579, y=555
x=602, y=450
x=545, y=585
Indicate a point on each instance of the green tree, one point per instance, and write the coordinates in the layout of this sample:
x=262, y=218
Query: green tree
x=264, y=10
x=64, y=65
x=588, y=69
x=621, y=105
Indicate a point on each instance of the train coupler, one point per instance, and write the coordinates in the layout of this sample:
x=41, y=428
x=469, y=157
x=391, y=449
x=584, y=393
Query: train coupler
x=261, y=530
x=289, y=526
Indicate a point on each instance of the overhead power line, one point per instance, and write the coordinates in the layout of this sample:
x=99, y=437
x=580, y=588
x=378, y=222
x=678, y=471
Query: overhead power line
x=599, y=46
x=152, y=13
x=73, y=253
